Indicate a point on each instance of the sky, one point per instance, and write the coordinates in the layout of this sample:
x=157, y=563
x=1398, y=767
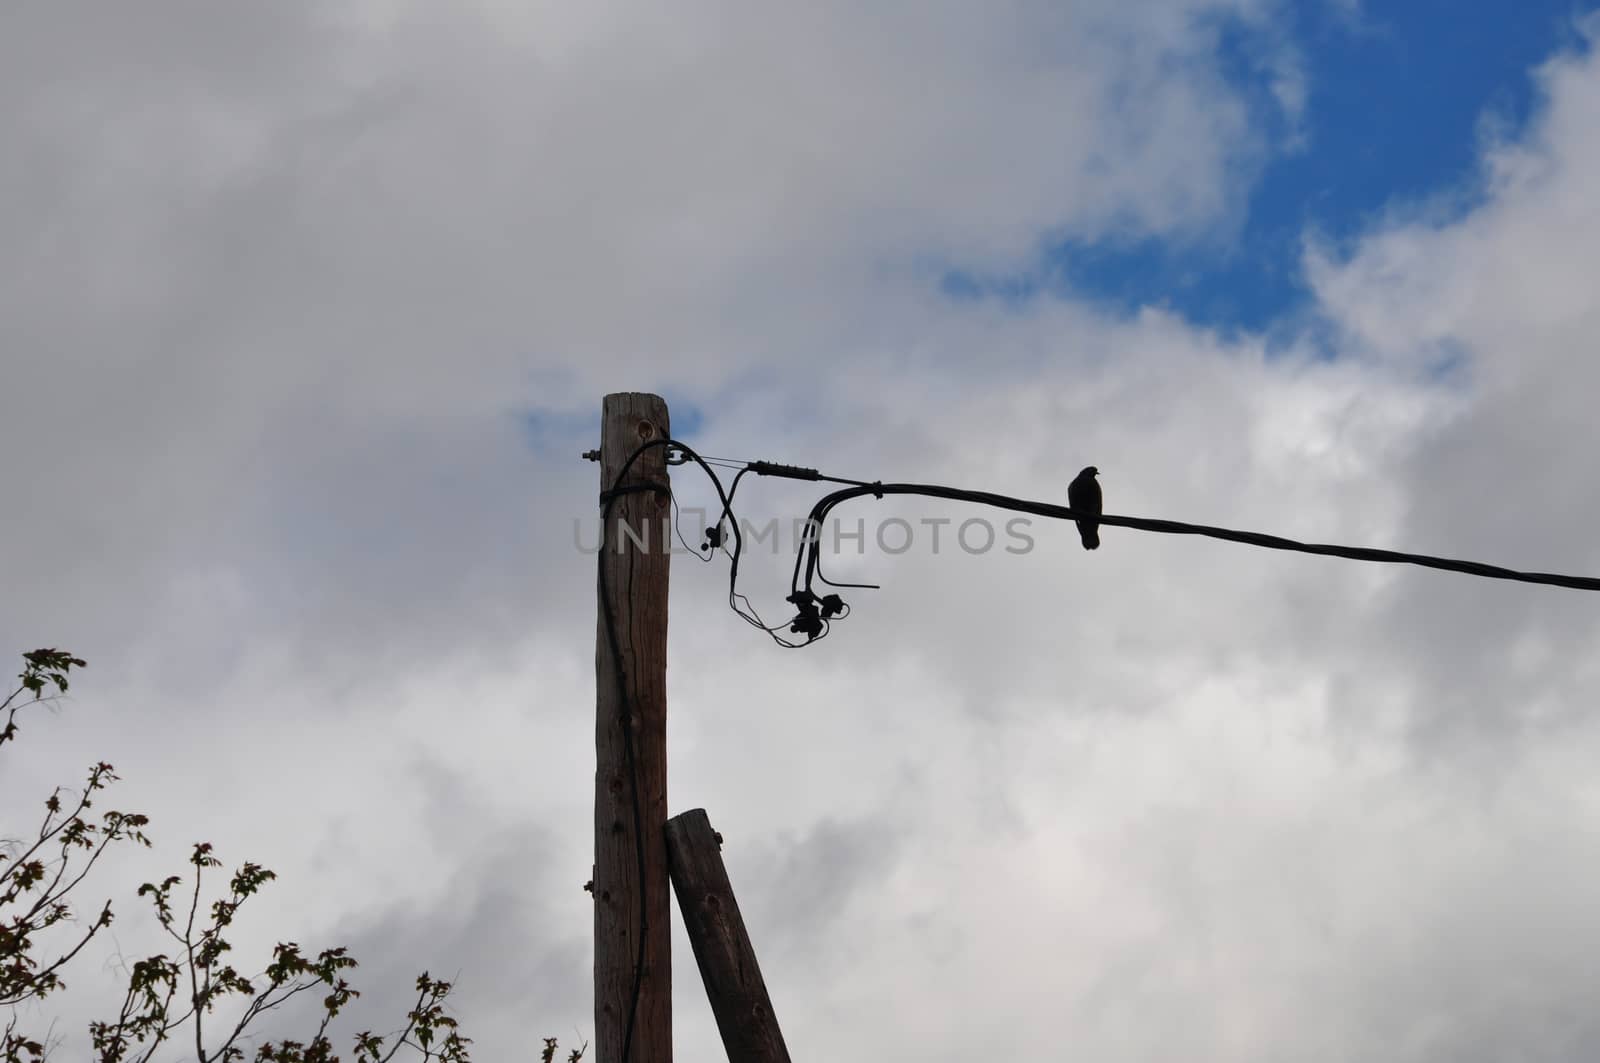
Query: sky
x=307, y=311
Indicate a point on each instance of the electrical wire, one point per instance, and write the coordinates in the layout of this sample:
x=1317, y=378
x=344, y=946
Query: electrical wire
x=677, y=527
x=815, y=613
x=607, y=499
x=808, y=560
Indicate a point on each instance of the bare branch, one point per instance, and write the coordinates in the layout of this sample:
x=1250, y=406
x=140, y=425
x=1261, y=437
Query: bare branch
x=36, y=879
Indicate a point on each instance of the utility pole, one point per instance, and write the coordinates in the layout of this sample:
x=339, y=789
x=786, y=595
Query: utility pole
x=635, y=551
x=721, y=945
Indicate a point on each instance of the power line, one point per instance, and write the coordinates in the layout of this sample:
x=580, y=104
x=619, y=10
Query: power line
x=811, y=550
x=814, y=612
x=607, y=498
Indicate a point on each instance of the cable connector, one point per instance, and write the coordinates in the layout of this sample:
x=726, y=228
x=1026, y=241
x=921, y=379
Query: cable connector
x=808, y=621
x=793, y=472
x=713, y=538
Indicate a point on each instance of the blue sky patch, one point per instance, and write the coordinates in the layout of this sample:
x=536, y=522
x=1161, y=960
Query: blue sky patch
x=1396, y=102
x=687, y=418
x=549, y=431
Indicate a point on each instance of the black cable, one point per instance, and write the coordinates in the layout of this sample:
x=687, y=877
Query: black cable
x=607, y=497
x=677, y=527
x=814, y=612
x=739, y=603
x=808, y=558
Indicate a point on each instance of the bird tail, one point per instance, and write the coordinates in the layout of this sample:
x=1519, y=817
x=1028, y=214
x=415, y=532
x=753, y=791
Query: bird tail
x=1091, y=538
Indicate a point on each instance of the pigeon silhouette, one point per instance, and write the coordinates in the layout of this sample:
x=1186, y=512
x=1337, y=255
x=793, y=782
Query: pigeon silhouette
x=1083, y=495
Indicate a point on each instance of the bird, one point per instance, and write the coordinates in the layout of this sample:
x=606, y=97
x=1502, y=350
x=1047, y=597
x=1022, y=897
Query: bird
x=1083, y=495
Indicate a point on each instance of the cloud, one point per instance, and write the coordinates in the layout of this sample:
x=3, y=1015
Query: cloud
x=307, y=314
x=1503, y=476
x=265, y=259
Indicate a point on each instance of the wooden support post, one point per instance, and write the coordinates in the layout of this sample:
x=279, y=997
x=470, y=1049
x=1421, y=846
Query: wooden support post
x=633, y=562
x=721, y=947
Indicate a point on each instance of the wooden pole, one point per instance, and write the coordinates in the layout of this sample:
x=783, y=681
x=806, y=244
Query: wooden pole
x=633, y=562
x=722, y=949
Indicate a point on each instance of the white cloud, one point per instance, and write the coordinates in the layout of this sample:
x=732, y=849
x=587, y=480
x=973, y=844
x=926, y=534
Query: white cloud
x=282, y=286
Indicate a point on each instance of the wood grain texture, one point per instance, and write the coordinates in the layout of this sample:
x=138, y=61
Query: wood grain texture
x=636, y=579
x=721, y=946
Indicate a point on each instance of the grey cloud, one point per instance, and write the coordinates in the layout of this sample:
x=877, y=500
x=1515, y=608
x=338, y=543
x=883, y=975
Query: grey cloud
x=289, y=281
x=250, y=248
x=1505, y=476
x=520, y=969
x=797, y=887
